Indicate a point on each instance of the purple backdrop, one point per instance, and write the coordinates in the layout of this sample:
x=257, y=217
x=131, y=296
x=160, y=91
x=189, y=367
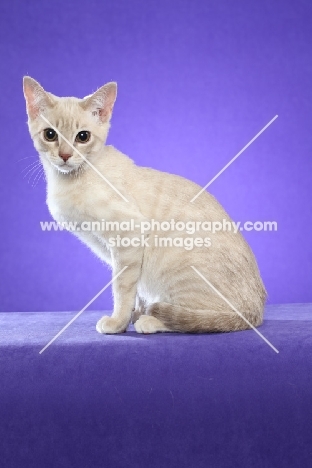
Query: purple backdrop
x=197, y=80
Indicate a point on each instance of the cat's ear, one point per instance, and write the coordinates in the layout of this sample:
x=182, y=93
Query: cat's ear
x=101, y=103
x=37, y=99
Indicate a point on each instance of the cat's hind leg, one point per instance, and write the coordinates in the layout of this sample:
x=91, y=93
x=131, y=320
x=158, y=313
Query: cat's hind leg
x=185, y=320
x=150, y=324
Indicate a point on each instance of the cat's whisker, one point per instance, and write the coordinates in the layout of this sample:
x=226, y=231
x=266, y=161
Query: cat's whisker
x=31, y=173
x=34, y=163
x=81, y=170
x=37, y=178
x=42, y=174
x=27, y=157
x=30, y=177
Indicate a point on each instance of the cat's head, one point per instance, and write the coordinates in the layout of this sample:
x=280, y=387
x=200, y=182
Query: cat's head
x=59, y=124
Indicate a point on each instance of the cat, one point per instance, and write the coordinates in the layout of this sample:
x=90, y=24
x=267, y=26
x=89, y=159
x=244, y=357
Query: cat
x=161, y=289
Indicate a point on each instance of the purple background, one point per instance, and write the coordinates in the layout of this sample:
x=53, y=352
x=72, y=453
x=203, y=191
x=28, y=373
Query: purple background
x=197, y=80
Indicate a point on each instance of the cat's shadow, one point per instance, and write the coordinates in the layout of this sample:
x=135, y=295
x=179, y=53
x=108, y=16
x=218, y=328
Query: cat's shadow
x=145, y=336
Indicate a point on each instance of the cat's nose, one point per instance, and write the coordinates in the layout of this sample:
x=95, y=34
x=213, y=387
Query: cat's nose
x=65, y=157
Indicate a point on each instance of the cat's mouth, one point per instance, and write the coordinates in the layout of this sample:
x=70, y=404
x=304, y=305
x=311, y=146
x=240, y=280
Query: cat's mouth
x=65, y=168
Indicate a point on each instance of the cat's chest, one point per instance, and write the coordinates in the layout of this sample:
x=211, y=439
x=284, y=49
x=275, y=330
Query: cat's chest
x=64, y=211
x=71, y=205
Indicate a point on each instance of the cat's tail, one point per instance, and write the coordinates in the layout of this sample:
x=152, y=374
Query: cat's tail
x=181, y=319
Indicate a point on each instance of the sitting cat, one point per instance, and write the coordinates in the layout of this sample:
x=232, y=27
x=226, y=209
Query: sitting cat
x=88, y=181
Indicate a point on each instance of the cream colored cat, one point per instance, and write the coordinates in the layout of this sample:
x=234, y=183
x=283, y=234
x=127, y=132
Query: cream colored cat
x=159, y=283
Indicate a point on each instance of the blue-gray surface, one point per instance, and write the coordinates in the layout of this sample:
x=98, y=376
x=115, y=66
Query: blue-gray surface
x=170, y=400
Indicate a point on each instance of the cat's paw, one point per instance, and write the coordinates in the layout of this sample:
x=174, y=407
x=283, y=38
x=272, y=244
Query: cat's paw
x=149, y=324
x=109, y=325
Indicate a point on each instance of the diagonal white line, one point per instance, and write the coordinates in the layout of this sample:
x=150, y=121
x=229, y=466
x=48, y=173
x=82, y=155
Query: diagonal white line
x=85, y=160
x=231, y=305
x=85, y=307
x=233, y=159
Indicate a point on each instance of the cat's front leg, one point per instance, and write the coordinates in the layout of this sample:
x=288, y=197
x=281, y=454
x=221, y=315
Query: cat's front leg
x=124, y=289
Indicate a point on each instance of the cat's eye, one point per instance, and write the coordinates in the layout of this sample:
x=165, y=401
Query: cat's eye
x=83, y=136
x=49, y=134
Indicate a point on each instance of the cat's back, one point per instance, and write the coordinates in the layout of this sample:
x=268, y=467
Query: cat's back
x=160, y=195
x=170, y=195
